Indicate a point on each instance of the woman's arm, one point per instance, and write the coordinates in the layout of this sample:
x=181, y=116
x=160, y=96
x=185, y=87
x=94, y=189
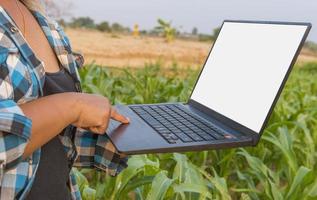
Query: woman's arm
x=51, y=114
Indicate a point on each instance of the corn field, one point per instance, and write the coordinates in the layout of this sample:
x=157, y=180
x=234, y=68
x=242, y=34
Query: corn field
x=281, y=166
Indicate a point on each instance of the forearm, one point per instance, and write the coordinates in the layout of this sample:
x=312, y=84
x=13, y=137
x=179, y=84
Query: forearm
x=49, y=115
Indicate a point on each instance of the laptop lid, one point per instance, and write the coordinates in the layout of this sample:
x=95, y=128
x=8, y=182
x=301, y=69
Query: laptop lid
x=246, y=70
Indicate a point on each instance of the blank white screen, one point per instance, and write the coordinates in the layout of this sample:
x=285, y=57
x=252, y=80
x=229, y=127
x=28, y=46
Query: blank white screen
x=245, y=70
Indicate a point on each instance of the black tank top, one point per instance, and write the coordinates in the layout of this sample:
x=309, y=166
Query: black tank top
x=52, y=176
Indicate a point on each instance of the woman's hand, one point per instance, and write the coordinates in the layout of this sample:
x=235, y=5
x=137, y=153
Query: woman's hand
x=51, y=114
x=95, y=112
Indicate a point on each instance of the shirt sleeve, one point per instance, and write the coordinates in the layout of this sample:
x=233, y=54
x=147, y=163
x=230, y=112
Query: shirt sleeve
x=15, y=127
x=15, y=130
x=98, y=151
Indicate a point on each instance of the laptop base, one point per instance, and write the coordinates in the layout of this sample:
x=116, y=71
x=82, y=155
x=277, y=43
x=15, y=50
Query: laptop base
x=139, y=137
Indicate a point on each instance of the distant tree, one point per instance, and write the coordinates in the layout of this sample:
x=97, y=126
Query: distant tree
x=166, y=28
x=82, y=22
x=103, y=27
x=195, y=31
x=216, y=32
x=205, y=37
x=116, y=27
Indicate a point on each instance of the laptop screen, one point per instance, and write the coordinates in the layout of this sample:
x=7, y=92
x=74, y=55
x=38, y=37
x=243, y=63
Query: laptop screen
x=246, y=68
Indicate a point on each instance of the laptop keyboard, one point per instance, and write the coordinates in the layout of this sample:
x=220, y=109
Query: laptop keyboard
x=174, y=123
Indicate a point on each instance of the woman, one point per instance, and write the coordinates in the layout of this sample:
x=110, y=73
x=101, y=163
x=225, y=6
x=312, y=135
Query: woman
x=46, y=124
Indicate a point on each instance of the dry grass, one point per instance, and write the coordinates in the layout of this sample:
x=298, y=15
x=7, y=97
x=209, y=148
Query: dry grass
x=122, y=50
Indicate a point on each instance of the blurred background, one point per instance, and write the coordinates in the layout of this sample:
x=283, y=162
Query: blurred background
x=127, y=33
x=151, y=51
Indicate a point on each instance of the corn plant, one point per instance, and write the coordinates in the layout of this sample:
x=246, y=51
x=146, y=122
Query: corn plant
x=281, y=166
x=166, y=29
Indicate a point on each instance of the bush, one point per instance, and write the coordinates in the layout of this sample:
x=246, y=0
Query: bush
x=103, y=27
x=82, y=22
x=116, y=27
x=205, y=38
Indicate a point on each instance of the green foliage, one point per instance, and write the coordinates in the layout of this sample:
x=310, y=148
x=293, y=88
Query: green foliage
x=166, y=29
x=310, y=67
x=141, y=86
x=116, y=27
x=205, y=37
x=103, y=27
x=88, y=23
x=282, y=166
x=216, y=32
x=311, y=46
x=82, y=22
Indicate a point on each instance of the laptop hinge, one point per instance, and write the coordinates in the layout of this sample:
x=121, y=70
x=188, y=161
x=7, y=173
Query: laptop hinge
x=255, y=139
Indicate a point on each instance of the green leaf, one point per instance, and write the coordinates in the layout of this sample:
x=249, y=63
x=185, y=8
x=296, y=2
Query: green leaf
x=284, y=143
x=180, y=168
x=80, y=179
x=135, y=166
x=245, y=197
x=135, y=183
x=160, y=185
x=312, y=192
x=89, y=193
x=219, y=183
x=301, y=173
x=190, y=187
x=275, y=192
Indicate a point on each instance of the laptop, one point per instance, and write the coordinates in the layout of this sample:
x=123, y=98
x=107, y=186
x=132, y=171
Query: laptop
x=231, y=102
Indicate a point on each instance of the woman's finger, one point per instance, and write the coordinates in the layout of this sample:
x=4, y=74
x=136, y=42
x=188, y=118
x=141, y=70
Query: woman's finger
x=118, y=117
x=98, y=130
x=93, y=129
x=122, y=155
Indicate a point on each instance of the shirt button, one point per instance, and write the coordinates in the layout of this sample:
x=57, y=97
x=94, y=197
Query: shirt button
x=13, y=29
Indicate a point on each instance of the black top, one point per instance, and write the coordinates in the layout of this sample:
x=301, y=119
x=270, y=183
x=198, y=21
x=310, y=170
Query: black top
x=52, y=176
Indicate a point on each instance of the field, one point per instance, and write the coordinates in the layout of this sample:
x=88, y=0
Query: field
x=123, y=50
x=282, y=166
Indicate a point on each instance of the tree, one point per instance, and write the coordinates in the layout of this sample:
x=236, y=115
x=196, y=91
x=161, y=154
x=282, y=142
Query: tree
x=216, y=32
x=82, y=22
x=104, y=27
x=195, y=31
x=116, y=27
x=166, y=28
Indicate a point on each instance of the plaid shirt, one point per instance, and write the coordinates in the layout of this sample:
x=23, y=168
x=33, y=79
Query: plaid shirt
x=21, y=80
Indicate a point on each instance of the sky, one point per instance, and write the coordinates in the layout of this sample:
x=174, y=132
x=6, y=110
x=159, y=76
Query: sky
x=203, y=14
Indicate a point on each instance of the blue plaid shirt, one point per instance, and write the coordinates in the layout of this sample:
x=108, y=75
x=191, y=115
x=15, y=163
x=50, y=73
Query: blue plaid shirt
x=21, y=81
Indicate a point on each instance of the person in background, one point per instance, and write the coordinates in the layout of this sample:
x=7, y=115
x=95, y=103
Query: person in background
x=47, y=125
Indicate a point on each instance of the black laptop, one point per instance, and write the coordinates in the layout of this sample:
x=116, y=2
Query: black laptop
x=233, y=97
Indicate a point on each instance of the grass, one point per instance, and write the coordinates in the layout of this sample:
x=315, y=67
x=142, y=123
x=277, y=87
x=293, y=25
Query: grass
x=282, y=166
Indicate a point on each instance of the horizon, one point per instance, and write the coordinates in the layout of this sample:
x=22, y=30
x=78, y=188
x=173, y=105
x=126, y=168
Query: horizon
x=205, y=16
